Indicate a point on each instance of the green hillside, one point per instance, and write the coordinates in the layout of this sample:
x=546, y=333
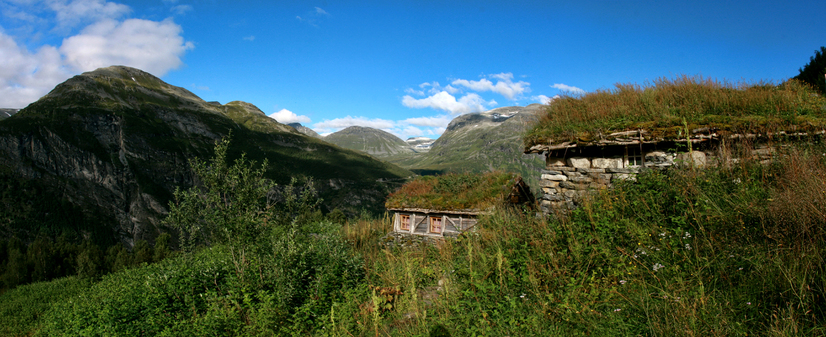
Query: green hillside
x=374, y=142
x=481, y=142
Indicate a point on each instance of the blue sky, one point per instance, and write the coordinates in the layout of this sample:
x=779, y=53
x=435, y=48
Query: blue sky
x=407, y=67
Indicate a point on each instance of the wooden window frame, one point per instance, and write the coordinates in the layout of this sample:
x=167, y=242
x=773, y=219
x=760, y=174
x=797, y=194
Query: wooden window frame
x=433, y=221
x=634, y=157
x=402, y=218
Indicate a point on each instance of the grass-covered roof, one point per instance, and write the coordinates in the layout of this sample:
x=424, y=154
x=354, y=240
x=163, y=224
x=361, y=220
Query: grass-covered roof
x=453, y=192
x=670, y=107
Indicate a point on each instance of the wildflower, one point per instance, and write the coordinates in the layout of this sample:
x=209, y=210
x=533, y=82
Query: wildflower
x=522, y=296
x=657, y=266
x=623, y=281
x=748, y=303
x=617, y=309
x=686, y=235
x=687, y=246
x=736, y=181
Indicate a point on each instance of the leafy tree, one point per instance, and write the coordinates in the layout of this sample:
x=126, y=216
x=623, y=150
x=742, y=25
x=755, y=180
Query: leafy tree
x=813, y=72
x=230, y=205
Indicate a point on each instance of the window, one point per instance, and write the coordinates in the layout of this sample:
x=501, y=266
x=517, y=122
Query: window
x=404, y=222
x=436, y=224
x=633, y=157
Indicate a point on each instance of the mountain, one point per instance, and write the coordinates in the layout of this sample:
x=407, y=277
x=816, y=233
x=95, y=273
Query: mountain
x=103, y=152
x=375, y=142
x=305, y=130
x=6, y=113
x=480, y=142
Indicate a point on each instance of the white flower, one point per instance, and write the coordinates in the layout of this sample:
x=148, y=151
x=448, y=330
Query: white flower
x=623, y=281
x=657, y=266
x=688, y=246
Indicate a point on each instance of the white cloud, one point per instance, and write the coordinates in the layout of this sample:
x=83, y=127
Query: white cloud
x=312, y=18
x=412, y=91
x=72, y=13
x=25, y=77
x=568, y=88
x=200, y=87
x=504, y=86
x=286, y=116
x=155, y=47
x=104, y=39
x=249, y=38
x=544, y=99
x=181, y=9
x=435, y=121
x=340, y=123
x=447, y=102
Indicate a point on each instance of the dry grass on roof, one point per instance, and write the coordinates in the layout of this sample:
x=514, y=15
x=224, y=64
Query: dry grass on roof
x=664, y=107
x=453, y=191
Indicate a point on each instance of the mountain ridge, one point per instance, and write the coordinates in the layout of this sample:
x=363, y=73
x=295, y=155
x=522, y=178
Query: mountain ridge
x=116, y=142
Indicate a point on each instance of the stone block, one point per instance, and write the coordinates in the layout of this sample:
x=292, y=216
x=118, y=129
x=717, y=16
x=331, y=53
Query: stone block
x=551, y=172
x=551, y=162
x=579, y=162
x=600, y=176
x=548, y=183
x=549, y=190
x=590, y=170
x=567, y=185
x=553, y=197
x=580, y=179
x=554, y=177
x=659, y=158
x=570, y=174
x=605, y=163
x=695, y=158
x=565, y=169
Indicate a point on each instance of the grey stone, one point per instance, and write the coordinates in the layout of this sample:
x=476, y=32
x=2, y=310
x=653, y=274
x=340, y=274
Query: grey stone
x=556, y=177
x=580, y=179
x=551, y=172
x=605, y=163
x=567, y=185
x=579, y=162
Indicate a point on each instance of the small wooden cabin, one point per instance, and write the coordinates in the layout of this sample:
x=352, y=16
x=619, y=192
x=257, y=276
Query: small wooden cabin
x=447, y=205
x=431, y=222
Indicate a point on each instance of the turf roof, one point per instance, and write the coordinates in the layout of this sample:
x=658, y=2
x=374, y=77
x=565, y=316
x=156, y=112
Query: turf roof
x=672, y=109
x=453, y=192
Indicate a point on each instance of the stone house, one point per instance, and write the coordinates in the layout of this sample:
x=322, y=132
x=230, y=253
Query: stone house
x=573, y=170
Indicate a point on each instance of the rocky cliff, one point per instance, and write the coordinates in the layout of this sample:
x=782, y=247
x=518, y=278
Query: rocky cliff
x=116, y=143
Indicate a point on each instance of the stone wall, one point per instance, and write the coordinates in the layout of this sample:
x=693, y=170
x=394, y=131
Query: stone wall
x=566, y=180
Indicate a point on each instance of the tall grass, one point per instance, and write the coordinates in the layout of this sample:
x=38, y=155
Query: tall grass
x=662, y=106
x=734, y=250
x=729, y=251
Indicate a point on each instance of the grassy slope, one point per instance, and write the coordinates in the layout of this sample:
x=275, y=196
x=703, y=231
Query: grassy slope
x=732, y=251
